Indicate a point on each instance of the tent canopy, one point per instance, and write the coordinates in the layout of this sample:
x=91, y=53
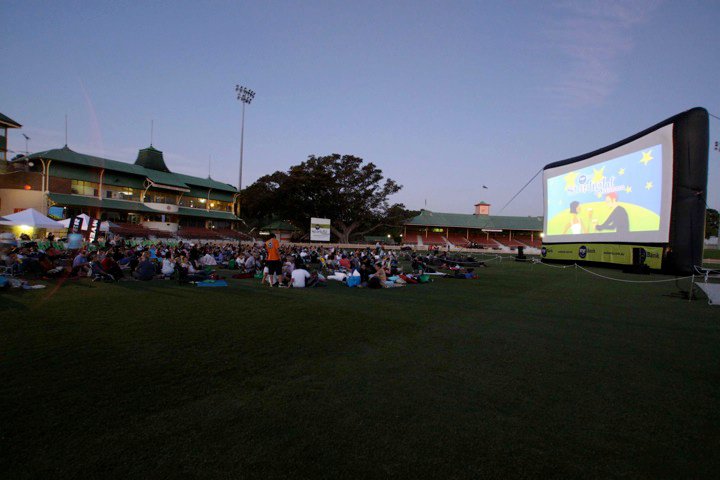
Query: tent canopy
x=31, y=218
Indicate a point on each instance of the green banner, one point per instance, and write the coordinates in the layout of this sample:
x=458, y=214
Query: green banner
x=604, y=252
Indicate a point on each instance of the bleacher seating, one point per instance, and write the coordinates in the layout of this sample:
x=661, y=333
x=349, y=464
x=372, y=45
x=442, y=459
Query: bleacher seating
x=130, y=230
x=503, y=240
x=433, y=238
x=475, y=238
x=482, y=240
x=457, y=239
x=526, y=240
x=199, y=233
x=410, y=239
x=230, y=233
x=160, y=233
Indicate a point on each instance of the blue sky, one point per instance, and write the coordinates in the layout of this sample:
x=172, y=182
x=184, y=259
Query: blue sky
x=444, y=96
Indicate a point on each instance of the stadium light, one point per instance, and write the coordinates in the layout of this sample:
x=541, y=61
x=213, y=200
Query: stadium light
x=26, y=144
x=245, y=95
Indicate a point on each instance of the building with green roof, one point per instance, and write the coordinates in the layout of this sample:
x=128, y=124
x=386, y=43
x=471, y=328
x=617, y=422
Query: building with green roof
x=479, y=229
x=5, y=124
x=145, y=192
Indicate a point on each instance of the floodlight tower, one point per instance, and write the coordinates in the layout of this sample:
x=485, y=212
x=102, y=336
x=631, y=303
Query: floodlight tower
x=245, y=95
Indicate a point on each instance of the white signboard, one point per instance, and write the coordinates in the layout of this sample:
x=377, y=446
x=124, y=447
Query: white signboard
x=319, y=229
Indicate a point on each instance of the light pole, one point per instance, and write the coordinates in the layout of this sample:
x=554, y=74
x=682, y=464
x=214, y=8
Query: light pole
x=245, y=95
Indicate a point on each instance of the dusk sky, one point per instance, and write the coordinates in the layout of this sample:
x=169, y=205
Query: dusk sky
x=444, y=96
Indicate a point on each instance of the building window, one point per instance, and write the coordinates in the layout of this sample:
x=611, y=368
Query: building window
x=81, y=187
x=220, y=206
x=157, y=197
x=123, y=193
x=193, y=202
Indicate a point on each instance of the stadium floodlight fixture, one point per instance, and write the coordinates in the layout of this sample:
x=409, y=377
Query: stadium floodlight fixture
x=245, y=95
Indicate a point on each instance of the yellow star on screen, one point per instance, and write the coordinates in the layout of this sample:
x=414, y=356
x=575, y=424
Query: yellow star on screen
x=628, y=189
x=646, y=157
x=648, y=185
x=598, y=175
x=570, y=180
x=621, y=171
x=598, y=194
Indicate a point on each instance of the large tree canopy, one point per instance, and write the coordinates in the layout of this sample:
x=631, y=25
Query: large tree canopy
x=353, y=194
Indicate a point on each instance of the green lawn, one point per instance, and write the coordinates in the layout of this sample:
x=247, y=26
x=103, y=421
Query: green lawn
x=528, y=372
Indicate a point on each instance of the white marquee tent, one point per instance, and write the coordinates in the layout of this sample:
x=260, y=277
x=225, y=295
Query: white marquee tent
x=30, y=218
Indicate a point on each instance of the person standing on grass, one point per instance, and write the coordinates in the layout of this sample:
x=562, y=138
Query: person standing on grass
x=273, y=260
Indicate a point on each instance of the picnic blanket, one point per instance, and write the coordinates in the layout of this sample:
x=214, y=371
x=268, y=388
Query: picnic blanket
x=212, y=283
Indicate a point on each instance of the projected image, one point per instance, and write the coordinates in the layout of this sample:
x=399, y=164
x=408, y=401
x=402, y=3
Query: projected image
x=618, y=196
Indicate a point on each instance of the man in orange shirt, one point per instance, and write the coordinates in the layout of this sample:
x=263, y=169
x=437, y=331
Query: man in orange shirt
x=273, y=259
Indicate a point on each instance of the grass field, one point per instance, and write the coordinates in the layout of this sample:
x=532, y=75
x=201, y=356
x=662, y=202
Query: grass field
x=528, y=372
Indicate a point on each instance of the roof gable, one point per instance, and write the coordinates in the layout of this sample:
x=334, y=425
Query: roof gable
x=152, y=158
x=8, y=122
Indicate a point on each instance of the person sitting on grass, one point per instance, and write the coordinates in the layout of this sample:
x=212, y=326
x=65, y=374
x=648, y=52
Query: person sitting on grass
x=379, y=279
x=80, y=264
x=315, y=280
x=146, y=268
x=168, y=266
x=250, y=263
x=299, y=276
x=109, y=264
x=285, y=280
x=345, y=262
x=129, y=260
x=98, y=273
x=208, y=260
x=188, y=273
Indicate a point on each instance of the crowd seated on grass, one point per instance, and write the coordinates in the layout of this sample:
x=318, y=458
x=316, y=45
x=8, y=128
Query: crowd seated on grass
x=118, y=260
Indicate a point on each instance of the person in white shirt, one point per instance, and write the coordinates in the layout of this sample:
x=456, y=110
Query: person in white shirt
x=250, y=263
x=208, y=259
x=168, y=266
x=299, y=275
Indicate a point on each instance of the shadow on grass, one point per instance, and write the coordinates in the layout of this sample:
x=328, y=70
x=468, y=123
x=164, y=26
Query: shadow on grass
x=7, y=302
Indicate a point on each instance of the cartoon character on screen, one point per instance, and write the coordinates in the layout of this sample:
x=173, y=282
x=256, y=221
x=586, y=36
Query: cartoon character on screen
x=575, y=226
x=618, y=218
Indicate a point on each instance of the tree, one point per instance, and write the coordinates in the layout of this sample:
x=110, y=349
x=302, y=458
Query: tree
x=260, y=200
x=353, y=194
x=711, y=222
